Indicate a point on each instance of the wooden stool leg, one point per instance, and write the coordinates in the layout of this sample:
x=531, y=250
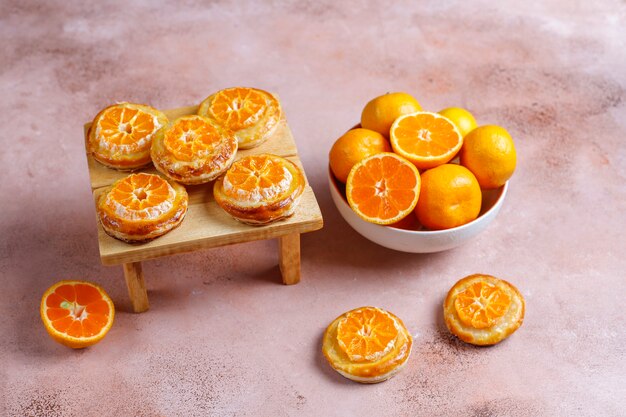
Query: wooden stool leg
x=136, y=287
x=289, y=258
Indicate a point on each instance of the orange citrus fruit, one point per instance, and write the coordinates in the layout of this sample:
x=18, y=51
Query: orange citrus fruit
x=450, y=197
x=462, y=119
x=383, y=188
x=481, y=304
x=380, y=113
x=191, y=137
x=354, y=146
x=489, y=152
x=367, y=334
x=77, y=313
x=140, y=193
x=426, y=139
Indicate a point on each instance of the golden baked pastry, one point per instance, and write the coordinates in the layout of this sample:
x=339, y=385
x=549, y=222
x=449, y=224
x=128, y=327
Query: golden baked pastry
x=483, y=310
x=367, y=344
x=260, y=189
x=251, y=114
x=193, y=150
x=121, y=135
x=141, y=207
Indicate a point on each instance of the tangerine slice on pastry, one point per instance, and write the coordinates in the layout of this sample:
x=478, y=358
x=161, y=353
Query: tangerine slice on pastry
x=121, y=135
x=141, y=207
x=260, y=189
x=367, y=344
x=193, y=150
x=483, y=310
x=251, y=114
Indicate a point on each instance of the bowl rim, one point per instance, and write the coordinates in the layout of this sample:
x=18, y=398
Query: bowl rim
x=503, y=191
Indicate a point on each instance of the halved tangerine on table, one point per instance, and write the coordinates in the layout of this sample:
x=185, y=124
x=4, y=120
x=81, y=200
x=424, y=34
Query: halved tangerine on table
x=251, y=114
x=121, y=135
x=426, y=139
x=383, y=188
x=77, y=314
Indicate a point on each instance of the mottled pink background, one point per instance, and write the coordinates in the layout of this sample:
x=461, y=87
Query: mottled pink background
x=223, y=337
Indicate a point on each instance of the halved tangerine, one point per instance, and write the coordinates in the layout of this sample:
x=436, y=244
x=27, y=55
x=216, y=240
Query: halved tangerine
x=142, y=194
x=77, y=314
x=367, y=334
x=481, y=304
x=383, y=188
x=191, y=137
x=426, y=139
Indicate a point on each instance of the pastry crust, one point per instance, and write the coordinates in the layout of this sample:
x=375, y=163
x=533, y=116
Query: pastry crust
x=120, y=136
x=193, y=150
x=137, y=213
x=259, y=117
x=501, y=328
x=244, y=193
x=377, y=369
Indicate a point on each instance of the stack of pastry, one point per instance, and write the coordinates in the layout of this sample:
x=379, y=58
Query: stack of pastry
x=193, y=149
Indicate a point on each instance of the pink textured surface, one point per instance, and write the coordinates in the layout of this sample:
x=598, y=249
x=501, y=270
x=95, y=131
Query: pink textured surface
x=223, y=337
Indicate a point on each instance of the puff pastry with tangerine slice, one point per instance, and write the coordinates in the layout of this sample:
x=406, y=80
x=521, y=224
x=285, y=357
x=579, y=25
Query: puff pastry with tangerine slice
x=367, y=345
x=193, y=150
x=251, y=114
x=260, y=189
x=483, y=310
x=120, y=136
x=141, y=207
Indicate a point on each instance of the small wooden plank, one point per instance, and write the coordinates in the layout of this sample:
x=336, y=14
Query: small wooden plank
x=289, y=258
x=136, y=287
x=281, y=144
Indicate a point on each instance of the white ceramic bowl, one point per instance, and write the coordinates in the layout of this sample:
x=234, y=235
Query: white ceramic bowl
x=418, y=241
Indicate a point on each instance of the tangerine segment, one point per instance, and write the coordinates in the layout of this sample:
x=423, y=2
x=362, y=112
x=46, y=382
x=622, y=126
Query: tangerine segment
x=383, y=188
x=256, y=178
x=142, y=195
x=426, y=139
x=367, y=334
x=191, y=137
x=126, y=129
x=238, y=108
x=77, y=313
x=481, y=304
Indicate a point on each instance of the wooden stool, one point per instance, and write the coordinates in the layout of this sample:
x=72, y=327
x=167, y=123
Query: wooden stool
x=206, y=225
